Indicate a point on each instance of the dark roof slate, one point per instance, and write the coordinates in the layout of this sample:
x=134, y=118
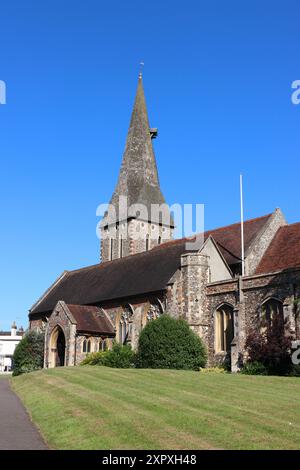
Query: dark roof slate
x=125, y=277
x=142, y=273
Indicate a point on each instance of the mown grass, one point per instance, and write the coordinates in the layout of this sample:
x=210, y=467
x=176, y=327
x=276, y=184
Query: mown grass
x=102, y=408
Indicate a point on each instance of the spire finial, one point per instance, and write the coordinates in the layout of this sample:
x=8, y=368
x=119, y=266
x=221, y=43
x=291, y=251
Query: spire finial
x=141, y=69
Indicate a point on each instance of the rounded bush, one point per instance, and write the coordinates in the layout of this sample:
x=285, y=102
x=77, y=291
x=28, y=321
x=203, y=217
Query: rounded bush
x=168, y=343
x=29, y=353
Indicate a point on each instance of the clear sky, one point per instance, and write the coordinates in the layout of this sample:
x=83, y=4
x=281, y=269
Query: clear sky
x=217, y=79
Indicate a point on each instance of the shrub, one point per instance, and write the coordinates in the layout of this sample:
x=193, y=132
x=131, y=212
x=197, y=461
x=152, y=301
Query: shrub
x=93, y=359
x=271, y=347
x=29, y=353
x=167, y=343
x=121, y=357
x=254, y=368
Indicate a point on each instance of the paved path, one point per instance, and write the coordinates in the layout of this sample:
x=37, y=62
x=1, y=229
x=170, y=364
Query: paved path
x=17, y=432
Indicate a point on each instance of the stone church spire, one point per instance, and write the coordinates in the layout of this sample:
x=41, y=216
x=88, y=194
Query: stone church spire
x=138, y=181
x=138, y=178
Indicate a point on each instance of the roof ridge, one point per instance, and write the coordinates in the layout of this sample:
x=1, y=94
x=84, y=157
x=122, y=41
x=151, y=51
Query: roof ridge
x=172, y=242
x=238, y=223
x=212, y=230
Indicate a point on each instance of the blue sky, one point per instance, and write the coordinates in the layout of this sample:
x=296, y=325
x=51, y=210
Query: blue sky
x=217, y=79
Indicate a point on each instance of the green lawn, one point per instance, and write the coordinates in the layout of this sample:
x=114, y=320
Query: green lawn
x=101, y=408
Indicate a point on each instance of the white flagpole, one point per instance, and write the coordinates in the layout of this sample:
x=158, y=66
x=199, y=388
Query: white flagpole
x=242, y=227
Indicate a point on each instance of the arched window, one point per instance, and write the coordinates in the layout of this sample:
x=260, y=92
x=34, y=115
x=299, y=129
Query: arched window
x=102, y=345
x=89, y=346
x=147, y=242
x=84, y=346
x=269, y=309
x=125, y=324
x=159, y=240
x=123, y=330
x=224, y=328
x=154, y=312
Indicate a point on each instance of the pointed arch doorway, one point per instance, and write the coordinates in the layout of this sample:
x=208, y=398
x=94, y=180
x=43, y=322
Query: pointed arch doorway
x=57, y=348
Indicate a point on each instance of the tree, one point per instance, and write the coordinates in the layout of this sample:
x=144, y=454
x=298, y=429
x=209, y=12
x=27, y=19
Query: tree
x=29, y=353
x=168, y=343
x=271, y=346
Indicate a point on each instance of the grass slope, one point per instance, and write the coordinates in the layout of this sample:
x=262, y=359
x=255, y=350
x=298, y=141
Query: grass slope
x=101, y=408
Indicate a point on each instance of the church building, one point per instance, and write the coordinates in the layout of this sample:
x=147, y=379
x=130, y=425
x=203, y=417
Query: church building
x=144, y=272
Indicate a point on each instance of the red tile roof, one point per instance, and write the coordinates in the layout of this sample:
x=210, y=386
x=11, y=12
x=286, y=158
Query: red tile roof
x=283, y=252
x=91, y=319
x=142, y=273
x=228, y=238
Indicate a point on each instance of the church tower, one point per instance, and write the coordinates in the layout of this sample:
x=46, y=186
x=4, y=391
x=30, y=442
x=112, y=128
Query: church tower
x=138, y=218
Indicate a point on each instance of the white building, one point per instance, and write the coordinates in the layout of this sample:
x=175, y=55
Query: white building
x=8, y=343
